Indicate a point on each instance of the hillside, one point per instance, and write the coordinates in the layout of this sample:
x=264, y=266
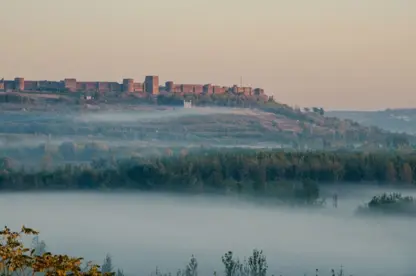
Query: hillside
x=214, y=121
x=394, y=120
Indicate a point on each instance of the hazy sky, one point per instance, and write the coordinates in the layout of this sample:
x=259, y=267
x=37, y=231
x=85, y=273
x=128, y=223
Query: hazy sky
x=339, y=54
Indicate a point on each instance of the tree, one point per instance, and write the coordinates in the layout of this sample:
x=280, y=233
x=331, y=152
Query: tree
x=46, y=162
x=397, y=140
x=107, y=266
x=192, y=267
x=309, y=193
x=231, y=265
x=390, y=172
x=16, y=259
x=318, y=110
x=406, y=174
x=99, y=163
x=257, y=263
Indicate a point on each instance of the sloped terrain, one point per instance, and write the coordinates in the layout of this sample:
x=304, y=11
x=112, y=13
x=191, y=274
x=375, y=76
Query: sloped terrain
x=395, y=120
x=225, y=126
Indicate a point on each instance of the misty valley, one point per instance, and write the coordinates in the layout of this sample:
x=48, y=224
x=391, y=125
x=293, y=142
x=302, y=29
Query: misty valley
x=206, y=190
x=148, y=232
x=208, y=138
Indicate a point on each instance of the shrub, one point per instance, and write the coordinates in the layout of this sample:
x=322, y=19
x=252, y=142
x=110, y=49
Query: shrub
x=16, y=259
x=393, y=203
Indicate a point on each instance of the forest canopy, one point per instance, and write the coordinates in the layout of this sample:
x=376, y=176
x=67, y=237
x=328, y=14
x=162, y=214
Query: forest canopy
x=241, y=171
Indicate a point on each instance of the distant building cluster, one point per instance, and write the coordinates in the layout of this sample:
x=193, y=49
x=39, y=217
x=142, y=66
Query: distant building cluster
x=150, y=85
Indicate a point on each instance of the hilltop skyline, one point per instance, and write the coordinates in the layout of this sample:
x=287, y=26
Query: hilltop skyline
x=150, y=86
x=343, y=55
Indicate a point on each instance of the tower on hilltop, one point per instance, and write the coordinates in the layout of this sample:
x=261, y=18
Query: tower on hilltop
x=128, y=85
x=151, y=84
x=19, y=84
x=70, y=85
x=169, y=86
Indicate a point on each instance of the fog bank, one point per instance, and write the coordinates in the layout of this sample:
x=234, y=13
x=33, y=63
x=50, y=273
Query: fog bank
x=155, y=114
x=143, y=231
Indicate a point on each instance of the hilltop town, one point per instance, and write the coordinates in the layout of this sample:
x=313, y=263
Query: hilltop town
x=150, y=86
x=268, y=120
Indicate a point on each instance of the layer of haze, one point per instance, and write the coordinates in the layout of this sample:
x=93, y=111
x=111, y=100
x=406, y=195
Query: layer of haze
x=336, y=54
x=157, y=115
x=145, y=231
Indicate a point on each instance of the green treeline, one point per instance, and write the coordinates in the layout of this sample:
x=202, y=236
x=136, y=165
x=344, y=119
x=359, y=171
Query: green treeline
x=245, y=171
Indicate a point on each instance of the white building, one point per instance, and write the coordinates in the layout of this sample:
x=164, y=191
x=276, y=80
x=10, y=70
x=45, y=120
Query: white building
x=187, y=104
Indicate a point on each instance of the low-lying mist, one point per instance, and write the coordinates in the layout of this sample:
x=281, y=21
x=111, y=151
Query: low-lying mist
x=151, y=115
x=143, y=128
x=142, y=231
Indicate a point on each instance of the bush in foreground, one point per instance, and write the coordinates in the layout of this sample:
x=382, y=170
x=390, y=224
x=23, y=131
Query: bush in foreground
x=16, y=259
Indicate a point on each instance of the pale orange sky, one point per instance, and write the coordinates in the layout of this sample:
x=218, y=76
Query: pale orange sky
x=337, y=54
